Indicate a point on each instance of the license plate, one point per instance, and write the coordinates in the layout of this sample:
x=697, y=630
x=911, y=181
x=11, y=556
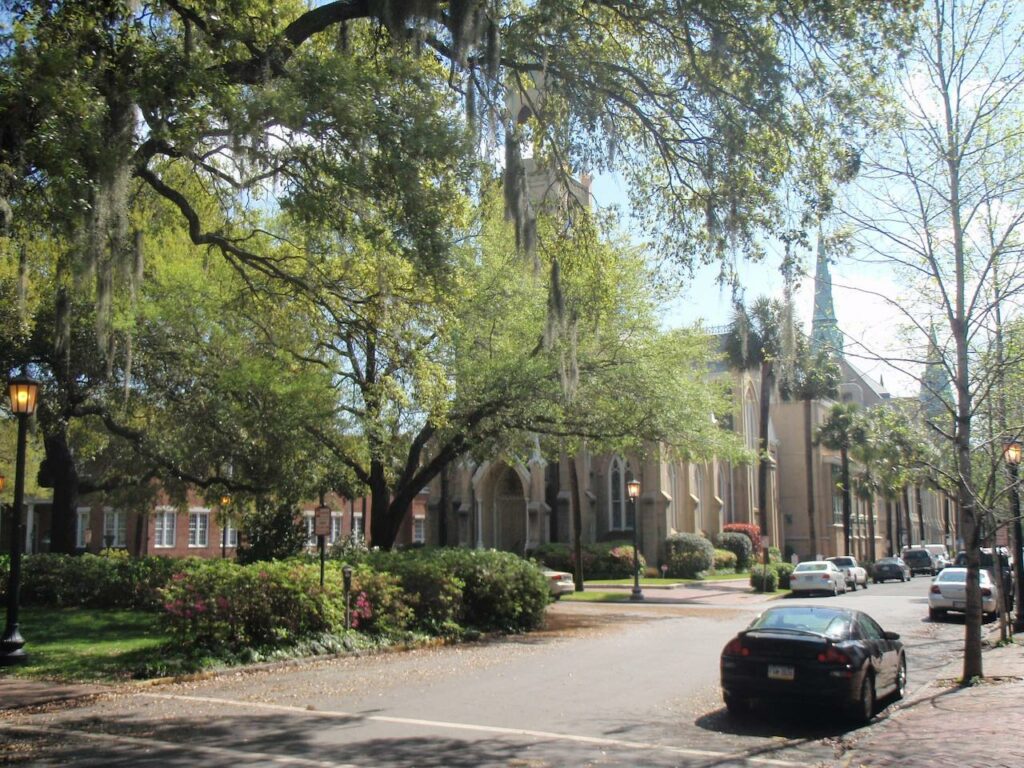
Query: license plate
x=780, y=672
x=959, y=604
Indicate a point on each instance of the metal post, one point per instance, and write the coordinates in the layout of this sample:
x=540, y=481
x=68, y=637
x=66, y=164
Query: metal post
x=11, y=645
x=637, y=594
x=1018, y=551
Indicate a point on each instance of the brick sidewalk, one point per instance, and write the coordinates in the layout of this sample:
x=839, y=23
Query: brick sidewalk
x=945, y=725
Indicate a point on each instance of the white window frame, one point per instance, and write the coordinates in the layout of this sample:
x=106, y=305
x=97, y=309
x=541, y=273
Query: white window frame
x=309, y=518
x=198, y=528
x=115, y=525
x=337, y=522
x=620, y=511
x=357, y=525
x=82, y=526
x=419, y=529
x=229, y=536
x=161, y=539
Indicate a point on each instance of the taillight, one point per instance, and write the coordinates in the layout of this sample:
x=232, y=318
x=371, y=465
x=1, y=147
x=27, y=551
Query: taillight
x=833, y=656
x=935, y=589
x=826, y=577
x=735, y=647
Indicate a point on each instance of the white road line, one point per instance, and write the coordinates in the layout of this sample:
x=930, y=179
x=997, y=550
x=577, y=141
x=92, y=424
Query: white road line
x=238, y=755
x=492, y=729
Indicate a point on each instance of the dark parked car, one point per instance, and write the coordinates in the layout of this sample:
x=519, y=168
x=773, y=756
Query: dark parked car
x=920, y=561
x=814, y=655
x=890, y=568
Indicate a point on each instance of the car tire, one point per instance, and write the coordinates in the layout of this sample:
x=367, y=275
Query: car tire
x=901, y=680
x=854, y=585
x=864, y=707
x=835, y=590
x=903, y=577
x=865, y=585
x=736, y=706
x=936, y=615
x=877, y=581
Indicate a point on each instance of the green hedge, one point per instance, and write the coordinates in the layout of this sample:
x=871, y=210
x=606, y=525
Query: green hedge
x=739, y=544
x=603, y=560
x=725, y=560
x=764, y=578
x=689, y=555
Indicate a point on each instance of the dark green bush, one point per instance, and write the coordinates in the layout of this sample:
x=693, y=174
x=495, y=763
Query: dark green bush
x=725, y=560
x=739, y=544
x=764, y=579
x=502, y=591
x=784, y=570
x=558, y=557
x=613, y=560
x=689, y=555
x=430, y=590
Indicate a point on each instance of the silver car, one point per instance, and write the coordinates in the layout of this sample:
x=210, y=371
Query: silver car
x=949, y=593
x=817, y=576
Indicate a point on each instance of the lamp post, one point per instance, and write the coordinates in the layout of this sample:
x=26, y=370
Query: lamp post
x=24, y=393
x=633, y=489
x=1012, y=454
x=225, y=502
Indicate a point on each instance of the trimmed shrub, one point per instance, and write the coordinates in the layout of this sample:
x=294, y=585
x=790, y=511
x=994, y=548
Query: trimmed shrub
x=739, y=544
x=774, y=555
x=502, y=592
x=558, y=557
x=749, y=530
x=725, y=560
x=785, y=570
x=689, y=554
x=613, y=560
x=430, y=590
x=764, y=579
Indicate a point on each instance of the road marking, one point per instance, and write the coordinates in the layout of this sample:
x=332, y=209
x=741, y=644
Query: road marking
x=137, y=741
x=599, y=741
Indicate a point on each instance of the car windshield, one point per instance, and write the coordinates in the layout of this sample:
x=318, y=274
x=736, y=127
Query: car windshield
x=959, y=576
x=812, y=567
x=825, y=621
x=841, y=561
x=918, y=555
x=888, y=561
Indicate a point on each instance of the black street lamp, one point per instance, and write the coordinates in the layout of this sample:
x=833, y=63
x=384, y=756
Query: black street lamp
x=633, y=489
x=1012, y=454
x=24, y=393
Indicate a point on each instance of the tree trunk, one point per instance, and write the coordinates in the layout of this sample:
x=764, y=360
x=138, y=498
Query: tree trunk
x=920, y=514
x=899, y=527
x=844, y=458
x=871, y=554
x=809, y=466
x=888, y=527
x=906, y=512
x=576, y=512
x=63, y=475
x=767, y=376
x=444, y=507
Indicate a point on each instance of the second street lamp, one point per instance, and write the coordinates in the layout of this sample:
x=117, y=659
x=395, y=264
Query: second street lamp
x=1012, y=454
x=24, y=392
x=633, y=489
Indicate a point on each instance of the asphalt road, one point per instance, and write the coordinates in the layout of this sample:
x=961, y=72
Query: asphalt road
x=606, y=685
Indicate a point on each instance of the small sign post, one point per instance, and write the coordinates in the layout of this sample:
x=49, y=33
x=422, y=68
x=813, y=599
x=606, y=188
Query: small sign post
x=321, y=527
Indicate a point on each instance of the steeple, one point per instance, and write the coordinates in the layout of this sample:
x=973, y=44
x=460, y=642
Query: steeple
x=825, y=333
x=935, y=395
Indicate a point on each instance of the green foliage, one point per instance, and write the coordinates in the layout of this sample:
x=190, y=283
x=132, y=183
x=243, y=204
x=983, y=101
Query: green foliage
x=430, y=589
x=613, y=560
x=689, y=555
x=764, y=578
x=784, y=571
x=557, y=556
x=273, y=532
x=750, y=530
x=739, y=544
x=502, y=592
x=725, y=560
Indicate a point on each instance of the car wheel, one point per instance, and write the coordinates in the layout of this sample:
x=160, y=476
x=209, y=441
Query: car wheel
x=865, y=706
x=854, y=585
x=901, y=680
x=936, y=615
x=736, y=706
x=835, y=590
x=865, y=585
x=903, y=577
x=877, y=581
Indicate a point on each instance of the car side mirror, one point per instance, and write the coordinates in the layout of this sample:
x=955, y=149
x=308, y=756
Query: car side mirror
x=891, y=635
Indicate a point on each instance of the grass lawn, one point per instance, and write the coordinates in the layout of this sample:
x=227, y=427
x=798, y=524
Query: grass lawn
x=592, y=596
x=646, y=581
x=86, y=644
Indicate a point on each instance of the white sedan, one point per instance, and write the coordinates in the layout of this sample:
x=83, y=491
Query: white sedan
x=817, y=576
x=559, y=582
x=948, y=592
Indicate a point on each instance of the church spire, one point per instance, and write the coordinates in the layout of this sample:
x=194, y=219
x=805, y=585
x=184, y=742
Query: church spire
x=825, y=333
x=935, y=396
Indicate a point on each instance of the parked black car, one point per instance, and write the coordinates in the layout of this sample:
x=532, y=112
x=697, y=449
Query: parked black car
x=890, y=568
x=815, y=655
